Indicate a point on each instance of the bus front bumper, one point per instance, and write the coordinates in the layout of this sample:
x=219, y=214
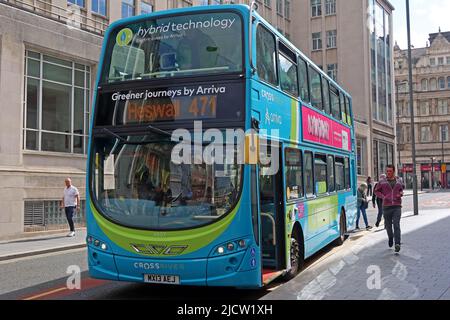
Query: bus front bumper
x=233, y=270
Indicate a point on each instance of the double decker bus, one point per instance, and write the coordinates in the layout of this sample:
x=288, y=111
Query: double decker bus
x=222, y=223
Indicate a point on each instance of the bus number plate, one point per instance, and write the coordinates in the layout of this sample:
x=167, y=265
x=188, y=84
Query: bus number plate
x=160, y=278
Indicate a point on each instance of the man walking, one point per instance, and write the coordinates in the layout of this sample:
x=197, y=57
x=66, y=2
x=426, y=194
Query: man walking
x=70, y=203
x=378, y=202
x=391, y=191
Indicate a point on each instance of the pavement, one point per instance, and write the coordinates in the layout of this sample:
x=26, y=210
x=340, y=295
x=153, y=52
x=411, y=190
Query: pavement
x=366, y=269
x=20, y=248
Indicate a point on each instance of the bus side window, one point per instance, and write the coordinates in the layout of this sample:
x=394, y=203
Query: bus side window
x=266, y=56
x=347, y=108
x=303, y=80
x=294, y=174
x=288, y=72
x=326, y=96
x=320, y=174
x=342, y=104
x=315, y=88
x=330, y=175
x=309, y=174
x=340, y=174
x=348, y=183
x=335, y=108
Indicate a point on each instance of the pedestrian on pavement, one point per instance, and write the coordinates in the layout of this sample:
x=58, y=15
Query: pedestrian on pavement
x=369, y=186
x=362, y=204
x=378, y=202
x=70, y=203
x=391, y=191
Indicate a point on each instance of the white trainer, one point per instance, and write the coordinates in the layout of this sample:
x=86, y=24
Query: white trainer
x=71, y=234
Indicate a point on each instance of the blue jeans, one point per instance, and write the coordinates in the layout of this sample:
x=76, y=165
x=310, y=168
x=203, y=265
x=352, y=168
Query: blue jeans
x=69, y=215
x=358, y=215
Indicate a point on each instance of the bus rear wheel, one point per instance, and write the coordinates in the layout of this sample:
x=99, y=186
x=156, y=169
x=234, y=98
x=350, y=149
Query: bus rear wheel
x=342, y=229
x=297, y=257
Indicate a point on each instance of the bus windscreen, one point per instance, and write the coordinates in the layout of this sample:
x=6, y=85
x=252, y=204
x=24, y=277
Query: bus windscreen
x=175, y=46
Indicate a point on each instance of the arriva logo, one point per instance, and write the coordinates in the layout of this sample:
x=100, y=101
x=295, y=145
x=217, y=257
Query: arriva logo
x=124, y=37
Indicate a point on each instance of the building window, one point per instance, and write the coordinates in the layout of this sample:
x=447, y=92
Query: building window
x=433, y=61
x=424, y=108
x=425, y=134
x=443, y=107
x=330, y=7
x=331, y=39
x=280, y=7
x=443, y=133
x=332, y=70
x=406, y=134
x=317, y=40
x=316, y=8
x=360, y=154
x=287, y=9
x=56, y=107
x=146, y=7
x=79, y=3
x=424, y=84
x=448, y=60
x=442, y=83
x=268, y=3
x=441, y=61
x=433, y=84
x=99, y=7
x=127, y=8
x=448, y=82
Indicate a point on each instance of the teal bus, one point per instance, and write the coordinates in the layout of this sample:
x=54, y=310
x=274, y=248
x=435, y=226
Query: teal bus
x=152, y=219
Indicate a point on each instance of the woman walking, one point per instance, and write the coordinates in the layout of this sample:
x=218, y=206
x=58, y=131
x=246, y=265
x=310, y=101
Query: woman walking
x=362, y=204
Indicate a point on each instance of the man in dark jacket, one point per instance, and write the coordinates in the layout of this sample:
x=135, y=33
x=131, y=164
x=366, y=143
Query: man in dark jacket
x=391, y=191
x=378, y=202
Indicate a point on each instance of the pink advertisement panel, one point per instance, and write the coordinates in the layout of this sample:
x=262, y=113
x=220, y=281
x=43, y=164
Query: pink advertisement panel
x=320, y=129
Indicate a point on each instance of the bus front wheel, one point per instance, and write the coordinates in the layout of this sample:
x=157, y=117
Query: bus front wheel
x=297, y=257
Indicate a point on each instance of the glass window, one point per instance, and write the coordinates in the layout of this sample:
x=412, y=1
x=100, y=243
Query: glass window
x=330, y=174
x=99, y=7
x=77, y=2
x=149, y=49
x=265, y=55
x=294, y=174
x=326, y=96
x=330, y=7
x=146, y=8
x=335, y=108
x=320, y=174
x=348, y=183
x=317, y=40
x=316, y=88
x=287, y=9
x=332, y=70
x=303, y=80
x=443, y=133
x=424, y=84
x=433, y=61
x=442, y=83
x=424, y=108
x=139, y=186
x=448, y=82
x=441, y=61
x=288, y=75
x=425, y=134
x=433, y=84
x=348, y=106
x=442, y=106
x=340, y=174
x=280, y=7
x=57, y=107
x=383, y=156
x=331, y=39
x=309, y=174
x=127, y=8
x=316, y=8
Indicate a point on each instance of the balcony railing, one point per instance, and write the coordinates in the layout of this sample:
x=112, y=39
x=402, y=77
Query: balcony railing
x=71, y=15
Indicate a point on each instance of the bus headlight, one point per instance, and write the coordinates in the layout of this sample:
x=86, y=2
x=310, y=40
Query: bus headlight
x=230, y=246
x=220, y=250
x=104, y=246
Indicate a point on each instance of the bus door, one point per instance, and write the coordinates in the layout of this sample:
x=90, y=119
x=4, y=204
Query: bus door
x=271, y=204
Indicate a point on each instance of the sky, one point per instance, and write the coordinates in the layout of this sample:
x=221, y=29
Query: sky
x=426, y=17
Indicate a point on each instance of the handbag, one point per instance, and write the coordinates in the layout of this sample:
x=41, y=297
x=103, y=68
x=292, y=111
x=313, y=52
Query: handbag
x=365, y=204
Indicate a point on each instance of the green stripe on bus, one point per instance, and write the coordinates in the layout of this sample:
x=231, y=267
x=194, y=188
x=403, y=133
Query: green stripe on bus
x=193, y=239
x=294, y=118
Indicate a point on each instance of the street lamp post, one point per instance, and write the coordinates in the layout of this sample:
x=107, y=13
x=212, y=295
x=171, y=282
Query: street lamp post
x=411, y=105
x=432, y=173
x=443, y=180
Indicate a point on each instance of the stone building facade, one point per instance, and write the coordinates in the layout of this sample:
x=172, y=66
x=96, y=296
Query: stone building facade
x=431, y=87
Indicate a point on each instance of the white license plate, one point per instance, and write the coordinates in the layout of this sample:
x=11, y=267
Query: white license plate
x=160, y=278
